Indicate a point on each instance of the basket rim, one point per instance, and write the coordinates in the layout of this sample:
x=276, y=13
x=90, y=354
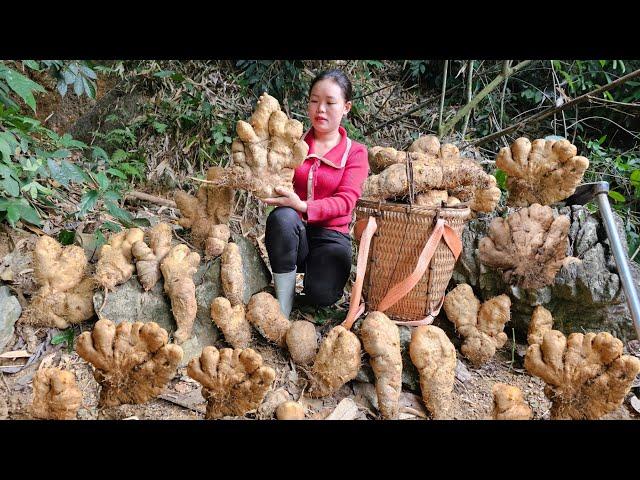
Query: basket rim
x=456, y=210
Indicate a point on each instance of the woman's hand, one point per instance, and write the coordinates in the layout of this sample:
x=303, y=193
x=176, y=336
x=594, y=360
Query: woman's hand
x=289, y=198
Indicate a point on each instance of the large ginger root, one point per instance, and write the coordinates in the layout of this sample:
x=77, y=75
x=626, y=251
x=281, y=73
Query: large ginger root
x=302, y=342
x=115, y=259
x=263, y=312
x=542, y=171
x=481, y=325
x=234, y=381
x=232, y=322
x=586, y=375
x=178, y=268
x=149, y=257
x=541, y=322
x=509, y=404
x=434, y=356
x=381, y=340
x=207, y=214
x=434, y=167
x=267, y=151
x=65, y=295
x=132, y=361
x=436, y=198
x=337, y=362
x=55, y=395
x=529, y=245
x=231, y=274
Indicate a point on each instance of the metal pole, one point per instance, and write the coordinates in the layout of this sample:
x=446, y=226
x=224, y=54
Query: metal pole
x=621, y=258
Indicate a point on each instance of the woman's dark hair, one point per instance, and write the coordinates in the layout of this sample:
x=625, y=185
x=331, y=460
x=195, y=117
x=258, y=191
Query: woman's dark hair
x=337, y=76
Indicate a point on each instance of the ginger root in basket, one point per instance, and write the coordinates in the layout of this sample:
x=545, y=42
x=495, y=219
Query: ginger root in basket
x=434, y=168
x=231, y=274
x=481, y=325
x=232, y=322
x=234, y=381
x=542, y=171
x=434, y=356
x=509, y=404
x=529, y=246
x=55, y=395
x=115, y=259
x=149, y=257
x=587, y=375
x=263, y=312
x=302, y=342
x=436, y=198
x=65, y=295
x=381, y=340
x=133, y=361
x=207, y=214
x=337, y=362
x=267, y=150
x=178, y=268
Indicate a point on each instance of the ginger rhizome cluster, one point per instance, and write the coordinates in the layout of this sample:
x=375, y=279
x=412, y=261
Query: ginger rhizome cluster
x=207, y=214
x=133, y=361
x=65, y=293
x=529, y=246
x=481, y=325
x=542, y=171
x=268, y=149
x=586, y=375
x=439, y=173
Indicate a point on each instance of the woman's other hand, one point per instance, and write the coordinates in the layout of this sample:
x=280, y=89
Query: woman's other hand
x=289, y=198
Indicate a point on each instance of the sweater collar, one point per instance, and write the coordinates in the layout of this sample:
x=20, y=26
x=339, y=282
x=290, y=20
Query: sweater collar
x=337, y=156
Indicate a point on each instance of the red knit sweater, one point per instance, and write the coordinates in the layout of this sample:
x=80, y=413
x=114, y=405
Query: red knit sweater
x=332, y=184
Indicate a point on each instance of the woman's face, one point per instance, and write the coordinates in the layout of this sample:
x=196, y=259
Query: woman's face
x=327, y=106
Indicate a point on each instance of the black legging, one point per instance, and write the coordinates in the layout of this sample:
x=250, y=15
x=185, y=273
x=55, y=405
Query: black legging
x=324, y=255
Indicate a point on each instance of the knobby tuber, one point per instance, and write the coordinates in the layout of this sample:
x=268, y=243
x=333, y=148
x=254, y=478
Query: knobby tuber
x=434, y=356
x=542, y=171
x=290, y=410
x=529, y=246
x=133, y=361
x=302, y=342
x=234, y=381
x=481, y=325
x=263, y=312
x=232, y=322
x=149, y=256
x=268, y=149
x=65, y=294
x=178, y=268
x=115, y=259
x=381, y=340
x=586, y=375
x=509, y=404
x=541, y=322
x=231, y=274
x=207, y=214
x=337, y=362
x=434, y=167
x=55, y=395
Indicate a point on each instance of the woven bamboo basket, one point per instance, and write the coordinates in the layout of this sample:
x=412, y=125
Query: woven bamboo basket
x=402, y=233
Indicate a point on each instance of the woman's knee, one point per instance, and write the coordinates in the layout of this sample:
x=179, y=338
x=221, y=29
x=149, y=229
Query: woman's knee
x=282, y=218
x=321, y=295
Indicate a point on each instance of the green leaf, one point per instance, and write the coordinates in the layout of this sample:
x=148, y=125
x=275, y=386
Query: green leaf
x=141, y=222
x=66, y=237
x=99, y=239
x=19, y=208
x=118, y=156
x=87, y=202
x=113, y=227
x=32, y=64
x=78, y=86
x=122, y=215
x=23, y=87
x=617, y=196
x=501, y=179
x=159, y=127
x=112, y=196
x=163, y=73
x=98, y=153
x=67, y=337
x=89, y=88
x=88, y=72
x=103, y=181
x=5, y=149
x=117, y=173
x=10, y=186
x=62, y=153
x=62, y=88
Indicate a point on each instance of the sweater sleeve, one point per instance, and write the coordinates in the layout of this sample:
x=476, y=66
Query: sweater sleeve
x=343, y=201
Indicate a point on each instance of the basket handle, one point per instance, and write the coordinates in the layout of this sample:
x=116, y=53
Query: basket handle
x=399, y=290
x=356, y=308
